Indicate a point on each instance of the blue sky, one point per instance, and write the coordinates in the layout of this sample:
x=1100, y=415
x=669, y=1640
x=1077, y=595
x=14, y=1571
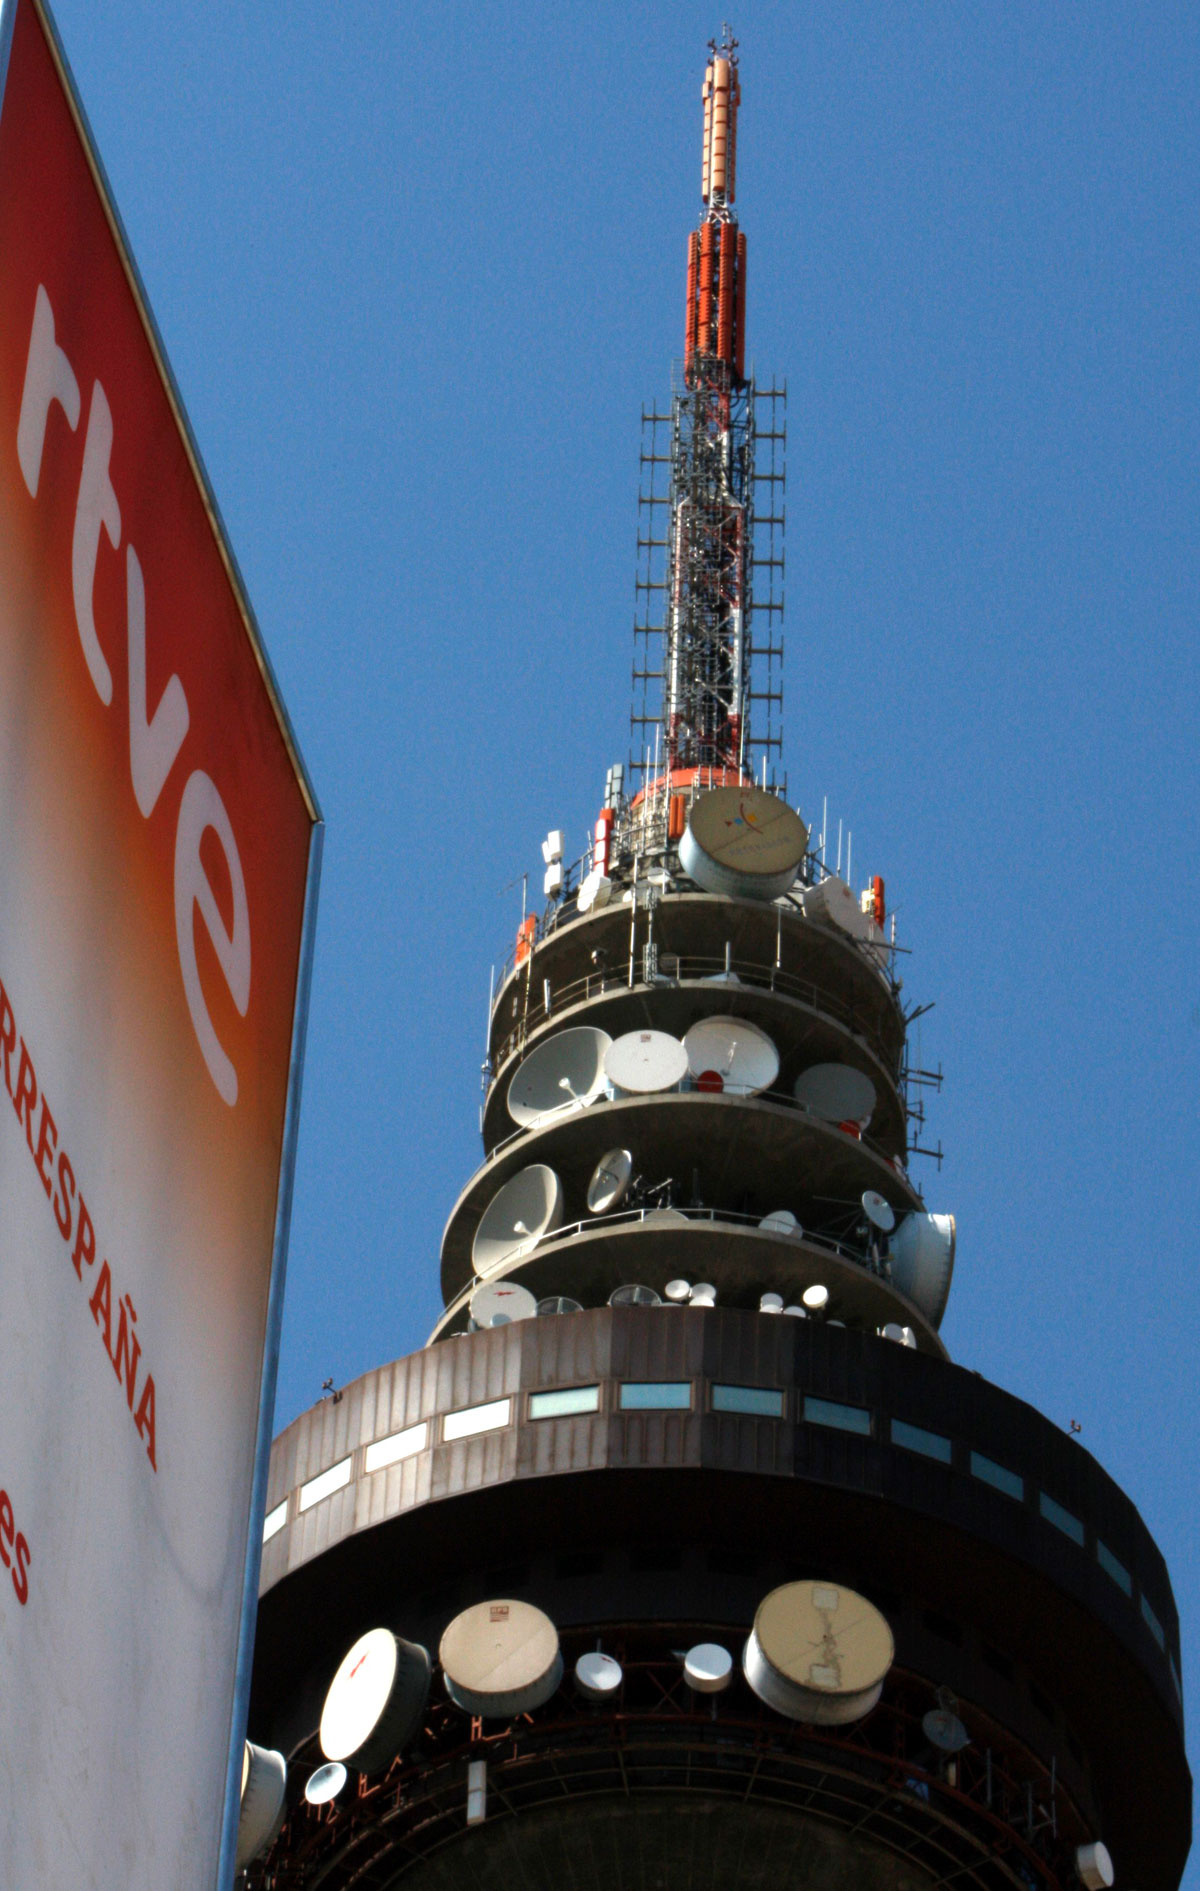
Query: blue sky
x=418, y=269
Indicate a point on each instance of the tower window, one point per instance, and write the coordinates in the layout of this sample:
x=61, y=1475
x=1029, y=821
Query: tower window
x=838, y=1417
x=930, y=1444
x=656, y=1395
x=756, y=1399
x=989, y=1472
x=562, y=1403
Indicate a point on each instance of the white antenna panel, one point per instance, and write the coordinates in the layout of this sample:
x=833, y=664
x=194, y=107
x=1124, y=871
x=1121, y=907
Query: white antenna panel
x=922, y=1258
x=565, y=1072
x=500, y=1302
x=837, y=1093
x=643, y=1062
x=596, y=890
x=742, y=1056
x=516, y=1218
x=832, y=903
x=610, y=1181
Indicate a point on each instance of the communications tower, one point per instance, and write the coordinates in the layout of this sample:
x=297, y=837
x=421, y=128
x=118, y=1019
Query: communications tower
x=683, y=1555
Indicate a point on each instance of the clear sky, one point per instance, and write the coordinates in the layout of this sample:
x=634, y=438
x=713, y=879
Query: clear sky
x=418, y=267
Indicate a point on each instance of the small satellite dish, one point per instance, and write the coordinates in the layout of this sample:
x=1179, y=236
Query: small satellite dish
x=264, y=1787
x=879, y=1211
x=922, y=1260
x=832, y=903
x=500, y=1302
x=643, y=1062
x=633, y=1296
x=704, y=1294
x=610, y=1180
x=598, y=1677
x=742, y=842
x=325, y=1784
x=797, y=1313
x=837, y=1093
x=945, y=1730
x=678, y=1292
x=1094, y=1866
x=500, y=1658
x=818, y=1653
x=744, y=1057
x=780, y=1221
x=815, y=1298
x=771, y=1303
x=517, y=1217
x=893, y=1331
x=563, y=1073
x=559, y=1303
x=708, y=1668
x=376, y=1701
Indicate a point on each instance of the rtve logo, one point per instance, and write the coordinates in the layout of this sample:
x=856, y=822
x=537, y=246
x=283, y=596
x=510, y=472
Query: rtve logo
x=154, y=740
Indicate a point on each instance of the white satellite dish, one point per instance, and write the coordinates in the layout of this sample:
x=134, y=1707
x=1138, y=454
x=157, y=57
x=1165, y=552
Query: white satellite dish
x=797, y=1313
x=922, y=1260
x=837, y=1093
x=558, y=1303
x=818, y=1653
x=1094, y=1866
x=780, y=1221
x=771, y=1303
x=739, y=1053
x=597, y=1676
x=610, y=1180
x=832, y=903
x=659, y=1215
x=375, y=1702
x=742, y=842
x=643, y=1062
x=945, y=1730
x=878, y=1210
x=815, y=1298
x=633, y=1296
x=517, y=1217
x=325, y=1784
x=500, y=1658
x=500, y=1302
x=264, y=1787
x=704, y=1294
x=678, y=1292
x=563, y=1073
x=708, y=1668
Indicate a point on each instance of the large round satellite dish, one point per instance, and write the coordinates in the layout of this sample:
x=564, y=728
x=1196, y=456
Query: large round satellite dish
x=708, y=1668
x=1094, y=1866
x=517, y=1217
x=501, y=1658
x=742, y=842
x=264, y=1785
x=376, y=1701
x=558, y=1303
x=837, y=1093
x=945, y=1730
x=832, y=903
x=922, y=1260
x=742, y=1056
x=610, y=1180
x=642, y=1062
x=818, y=1653
x=500, y=1302
x=563, y=1073
x=878, y=1210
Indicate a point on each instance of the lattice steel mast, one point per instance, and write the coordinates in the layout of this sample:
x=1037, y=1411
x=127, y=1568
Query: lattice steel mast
x=707, y=557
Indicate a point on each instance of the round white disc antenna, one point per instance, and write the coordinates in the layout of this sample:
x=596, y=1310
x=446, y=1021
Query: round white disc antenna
x=945, y=1730
x=708, y=1668
x=326, y=1783
x=739, y=1053
x=565, y=1072
x=780, y=1221
x=558, y=1303
x=818, y=1652
x=644, y=1062
x=879, y=1211
x=922, y=1258
x=264, y=1788
x=742, y=842
x=500, y=1302
x=501, y=1658
x=837, y=1093
x=610, y=1181
x=598, y=1676
x=632, y=1295
x=375, y=1701
x=815, y=1298
x=516, y=1218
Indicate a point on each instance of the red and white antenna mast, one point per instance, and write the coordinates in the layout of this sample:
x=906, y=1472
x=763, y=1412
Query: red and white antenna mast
x=709, y=545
